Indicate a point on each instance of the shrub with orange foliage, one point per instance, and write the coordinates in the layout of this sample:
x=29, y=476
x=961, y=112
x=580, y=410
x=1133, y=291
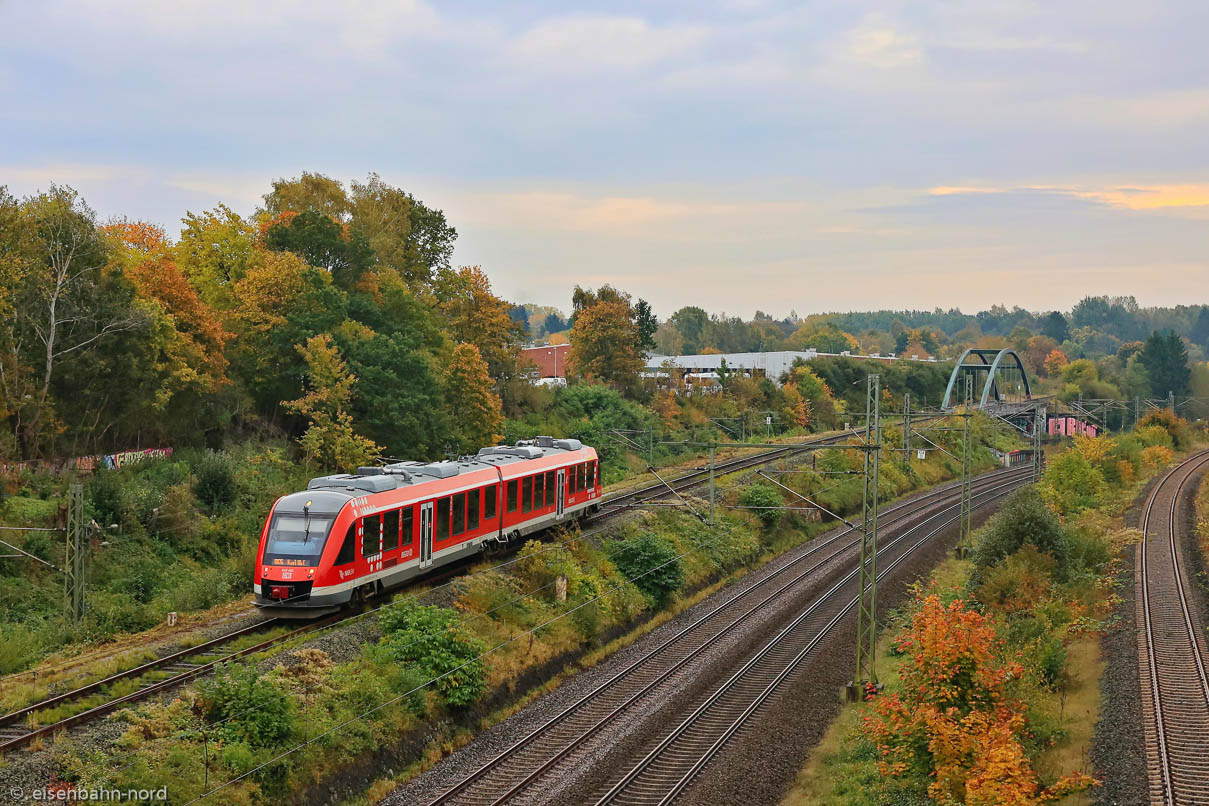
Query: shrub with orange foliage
x=1125, y=471
x=953, y=730
x=667, y=405
x=1157, y=456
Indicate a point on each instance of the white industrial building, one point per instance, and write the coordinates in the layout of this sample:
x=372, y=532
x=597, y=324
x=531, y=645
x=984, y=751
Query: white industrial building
x=702, y=370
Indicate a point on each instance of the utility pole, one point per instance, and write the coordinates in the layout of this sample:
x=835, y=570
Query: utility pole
x=712, y=448
x=967, y=485
x=1038, y=424
x=74, y=560
x=866, y=612
x=907, y=426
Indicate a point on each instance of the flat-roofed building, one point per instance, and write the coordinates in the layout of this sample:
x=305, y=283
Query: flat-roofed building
x=700, y=370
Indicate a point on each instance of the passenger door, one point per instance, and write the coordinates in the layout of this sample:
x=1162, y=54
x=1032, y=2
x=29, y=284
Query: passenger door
x=426, y=535
x=562, y=493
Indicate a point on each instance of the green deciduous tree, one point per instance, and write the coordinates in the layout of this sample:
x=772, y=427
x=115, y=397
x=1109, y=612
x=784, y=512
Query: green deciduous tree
x=398, y=399
x=691, y=323
x=1024, y=519
x=65, y=307
x=330, y=439
x=325, y=243
x=309, y=192
x=216, y=249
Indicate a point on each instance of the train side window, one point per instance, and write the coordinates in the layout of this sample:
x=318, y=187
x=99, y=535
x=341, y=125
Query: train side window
x=490, y=495
x=570, y=480
x=591, y=474
x=551, y=487
x=371, y=535
x=512, y=496
x=539, y=491
x=472, y=510
x=349, y=547
x=390, y=530
x=459, y=514
x=442, y=509
x=527, y=494
x=406, y=525
x=579, y=477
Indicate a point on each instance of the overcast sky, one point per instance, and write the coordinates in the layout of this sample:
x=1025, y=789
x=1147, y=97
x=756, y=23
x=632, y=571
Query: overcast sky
x=737, y=155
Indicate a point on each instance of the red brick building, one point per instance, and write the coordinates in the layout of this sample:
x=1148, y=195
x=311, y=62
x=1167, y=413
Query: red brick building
x=551, y=361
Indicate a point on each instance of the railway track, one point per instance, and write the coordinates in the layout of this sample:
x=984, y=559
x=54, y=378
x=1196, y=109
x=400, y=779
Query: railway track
x=1173, y=653
x=613, y=505
x=522, y=769
x=23, y=726
x=19, y=728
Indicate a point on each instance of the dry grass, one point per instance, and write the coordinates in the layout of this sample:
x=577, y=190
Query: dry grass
x=1080, y=708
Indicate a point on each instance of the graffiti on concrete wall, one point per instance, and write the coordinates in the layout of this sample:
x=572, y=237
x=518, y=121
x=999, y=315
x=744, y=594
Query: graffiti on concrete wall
x=87, y=464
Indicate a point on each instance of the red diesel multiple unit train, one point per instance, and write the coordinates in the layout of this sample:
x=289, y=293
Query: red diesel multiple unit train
x=351, y=535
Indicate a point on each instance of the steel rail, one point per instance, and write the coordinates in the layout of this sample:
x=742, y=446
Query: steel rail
x=693, y=759
x=14, y=742
x=491, y=775
x=1168, y=651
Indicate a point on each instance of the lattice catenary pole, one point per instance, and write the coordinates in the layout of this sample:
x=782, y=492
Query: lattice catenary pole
x=866, y=612
x=74, y=564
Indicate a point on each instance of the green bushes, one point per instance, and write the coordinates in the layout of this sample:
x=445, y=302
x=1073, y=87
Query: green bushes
x=215, y=485
x=764, y=500
x=1023, y=519
x=651, y=562
x=248, y=707
x=1072, y=484
x=429, y=639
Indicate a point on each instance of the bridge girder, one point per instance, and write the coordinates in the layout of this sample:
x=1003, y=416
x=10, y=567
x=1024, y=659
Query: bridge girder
x=991, y=368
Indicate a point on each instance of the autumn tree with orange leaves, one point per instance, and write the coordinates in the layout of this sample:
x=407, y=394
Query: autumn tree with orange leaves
x=604, y=345
x=953, y=730
x=477, y=316
x=188, y=337
x=468, y=392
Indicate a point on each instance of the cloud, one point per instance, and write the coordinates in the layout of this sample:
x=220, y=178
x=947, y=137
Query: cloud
x=603, y=43
x=1128, y=197
x=877, y=43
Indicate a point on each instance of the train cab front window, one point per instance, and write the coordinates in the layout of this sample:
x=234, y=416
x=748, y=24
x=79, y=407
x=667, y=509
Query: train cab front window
x=297, y=539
